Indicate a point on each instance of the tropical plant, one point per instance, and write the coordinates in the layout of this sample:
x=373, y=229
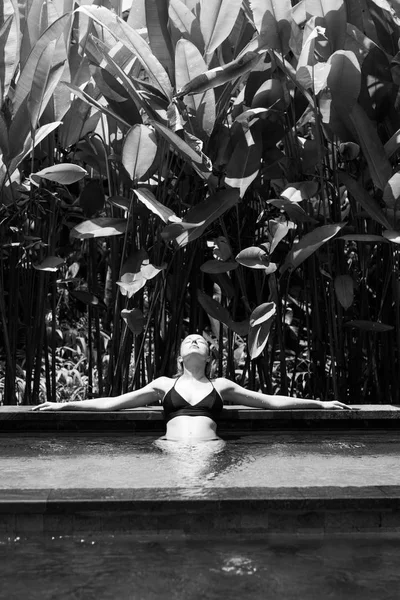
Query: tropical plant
x=203, y=165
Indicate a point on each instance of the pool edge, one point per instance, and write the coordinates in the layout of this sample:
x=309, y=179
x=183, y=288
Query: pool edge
x=230, y=510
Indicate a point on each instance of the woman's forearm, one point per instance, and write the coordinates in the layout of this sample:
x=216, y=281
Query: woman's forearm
x=285, y=403
x=100, y=404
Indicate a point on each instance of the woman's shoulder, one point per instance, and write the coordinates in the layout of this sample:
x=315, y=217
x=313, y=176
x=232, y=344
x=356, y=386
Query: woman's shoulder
x=221, y=384
x=163, y=384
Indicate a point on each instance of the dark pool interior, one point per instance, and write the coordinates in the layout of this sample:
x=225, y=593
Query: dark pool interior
x=125, y=567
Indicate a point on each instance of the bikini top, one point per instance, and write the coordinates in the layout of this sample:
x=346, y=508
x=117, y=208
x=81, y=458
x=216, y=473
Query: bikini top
x=175, y=405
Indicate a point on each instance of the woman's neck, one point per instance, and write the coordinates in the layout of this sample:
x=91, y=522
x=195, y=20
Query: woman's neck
x=194, y=372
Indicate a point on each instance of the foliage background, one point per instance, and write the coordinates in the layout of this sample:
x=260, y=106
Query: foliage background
x=221, y=166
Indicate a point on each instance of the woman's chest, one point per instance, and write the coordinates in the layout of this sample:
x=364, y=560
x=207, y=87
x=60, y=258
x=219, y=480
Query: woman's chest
x=194, y=394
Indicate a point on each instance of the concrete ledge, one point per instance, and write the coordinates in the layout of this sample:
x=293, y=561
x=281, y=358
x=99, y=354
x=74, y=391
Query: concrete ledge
x=185, y=511
x=22, y=418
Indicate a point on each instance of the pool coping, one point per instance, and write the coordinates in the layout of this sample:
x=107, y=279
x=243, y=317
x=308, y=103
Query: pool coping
x=235, y=417
x=332, y=497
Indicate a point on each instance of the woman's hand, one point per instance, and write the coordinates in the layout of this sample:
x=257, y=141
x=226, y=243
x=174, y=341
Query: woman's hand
x=335, y=405
x=50, y=406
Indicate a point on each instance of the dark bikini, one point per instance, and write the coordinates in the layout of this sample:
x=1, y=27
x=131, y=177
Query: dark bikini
x=175, y=405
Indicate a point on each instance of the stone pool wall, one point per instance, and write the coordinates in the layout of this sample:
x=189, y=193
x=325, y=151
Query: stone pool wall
x=234, y=419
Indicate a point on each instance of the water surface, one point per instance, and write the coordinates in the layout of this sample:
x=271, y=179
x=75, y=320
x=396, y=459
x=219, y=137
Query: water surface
x=128, y=460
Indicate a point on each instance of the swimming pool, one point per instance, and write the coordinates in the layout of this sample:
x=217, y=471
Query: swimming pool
x=110, y=512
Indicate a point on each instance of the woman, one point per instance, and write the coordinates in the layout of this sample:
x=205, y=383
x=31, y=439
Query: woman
x=191, y=395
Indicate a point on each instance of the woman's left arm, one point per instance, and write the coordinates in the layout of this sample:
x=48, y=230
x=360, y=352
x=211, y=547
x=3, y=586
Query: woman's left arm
x=233, y=392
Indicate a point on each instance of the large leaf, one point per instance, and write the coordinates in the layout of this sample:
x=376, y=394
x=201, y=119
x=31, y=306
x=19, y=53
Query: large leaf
x=83, y=95
x=150, y=105
x=134, y=41
x=255, y=258
x=101, y=227
x=315, y=77
x=308, y=244
x=359, y=15
x=271, y=94
x=137, y=15
x=215, y=310
x=40, y=134
x=279, y=230
x=119, y=100
x=302, y=190
x=185, y=23
x=245, y=162
x=50, y=264
x=4, y=147
x=372, y=147
x=218, y=266
x=139, y=151
x=189, y=63
x=220, y=75
x=307, y=71
x=262, y=313
x=159, y=37
x=373, y=326
x=217, y=18
x=389, y=5
x=25, y=80
x=391, y=192
x=135, y=320
x=344, y=80
x=149, y=200
x=39, y=94
x=393, y=144
x=361, y=196
x=261, y=320
x=361, y=237
x=334, y=13
x=200, y=217
x=359, y=43
x=294, y=211
x=10, y=45
x=80, y=119
x=87, y=298
x=64, y=173
x=272, y=19
x=344, y=288
x=32, y=26
x=392, y=235
x=197, y=161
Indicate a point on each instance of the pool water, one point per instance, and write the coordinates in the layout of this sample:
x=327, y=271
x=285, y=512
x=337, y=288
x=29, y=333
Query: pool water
x=131, y=461
x=126, y=567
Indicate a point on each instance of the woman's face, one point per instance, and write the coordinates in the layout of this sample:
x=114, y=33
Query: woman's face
x=194, y=344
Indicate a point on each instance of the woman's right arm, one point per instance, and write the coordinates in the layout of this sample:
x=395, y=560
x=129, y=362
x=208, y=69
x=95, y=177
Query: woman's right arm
x=146, y=395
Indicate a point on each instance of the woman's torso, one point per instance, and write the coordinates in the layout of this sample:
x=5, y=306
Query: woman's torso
x=191, y=408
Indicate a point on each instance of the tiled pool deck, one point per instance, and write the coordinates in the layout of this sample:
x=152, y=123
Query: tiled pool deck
x=250, y=511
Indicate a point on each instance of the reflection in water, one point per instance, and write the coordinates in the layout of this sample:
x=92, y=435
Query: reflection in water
x=198, y=463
